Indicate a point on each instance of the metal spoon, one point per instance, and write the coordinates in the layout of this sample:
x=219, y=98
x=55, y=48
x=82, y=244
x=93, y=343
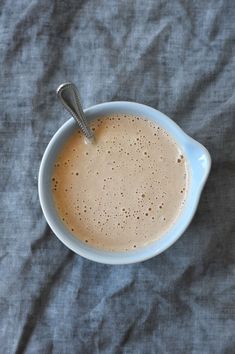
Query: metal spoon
x=69, y=97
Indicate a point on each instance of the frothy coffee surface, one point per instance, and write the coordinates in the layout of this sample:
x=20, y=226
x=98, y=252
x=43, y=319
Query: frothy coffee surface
x=124, y=191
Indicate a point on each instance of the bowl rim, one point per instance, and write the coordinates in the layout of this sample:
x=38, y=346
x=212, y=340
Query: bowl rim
x=130, y=256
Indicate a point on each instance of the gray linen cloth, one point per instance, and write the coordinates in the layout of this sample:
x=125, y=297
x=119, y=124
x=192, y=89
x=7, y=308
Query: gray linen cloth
x=177, y=56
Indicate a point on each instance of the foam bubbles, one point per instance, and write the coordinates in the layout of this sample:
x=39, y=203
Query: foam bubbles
x=112, y=193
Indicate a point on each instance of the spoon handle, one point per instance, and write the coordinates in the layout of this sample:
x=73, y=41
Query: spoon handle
x=69, y=97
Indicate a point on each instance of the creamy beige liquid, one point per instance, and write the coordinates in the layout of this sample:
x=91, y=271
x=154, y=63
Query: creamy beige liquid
x=124, y=191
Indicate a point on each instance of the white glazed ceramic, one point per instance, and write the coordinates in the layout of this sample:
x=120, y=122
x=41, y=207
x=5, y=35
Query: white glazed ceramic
x=198, y=160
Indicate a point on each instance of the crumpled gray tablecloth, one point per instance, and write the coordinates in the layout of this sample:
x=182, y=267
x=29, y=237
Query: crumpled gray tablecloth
x=177, y=56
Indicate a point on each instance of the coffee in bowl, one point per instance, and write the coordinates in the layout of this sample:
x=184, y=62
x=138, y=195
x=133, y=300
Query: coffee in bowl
x=124, y=191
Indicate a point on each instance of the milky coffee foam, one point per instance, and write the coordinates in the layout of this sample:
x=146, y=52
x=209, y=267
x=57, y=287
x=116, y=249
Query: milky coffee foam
x=124, y=191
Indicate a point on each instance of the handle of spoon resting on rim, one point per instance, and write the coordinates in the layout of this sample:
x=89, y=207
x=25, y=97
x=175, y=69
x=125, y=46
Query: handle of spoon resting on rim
x=69, y=97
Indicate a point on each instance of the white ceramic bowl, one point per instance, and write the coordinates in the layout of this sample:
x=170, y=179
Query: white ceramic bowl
x=198, y=160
